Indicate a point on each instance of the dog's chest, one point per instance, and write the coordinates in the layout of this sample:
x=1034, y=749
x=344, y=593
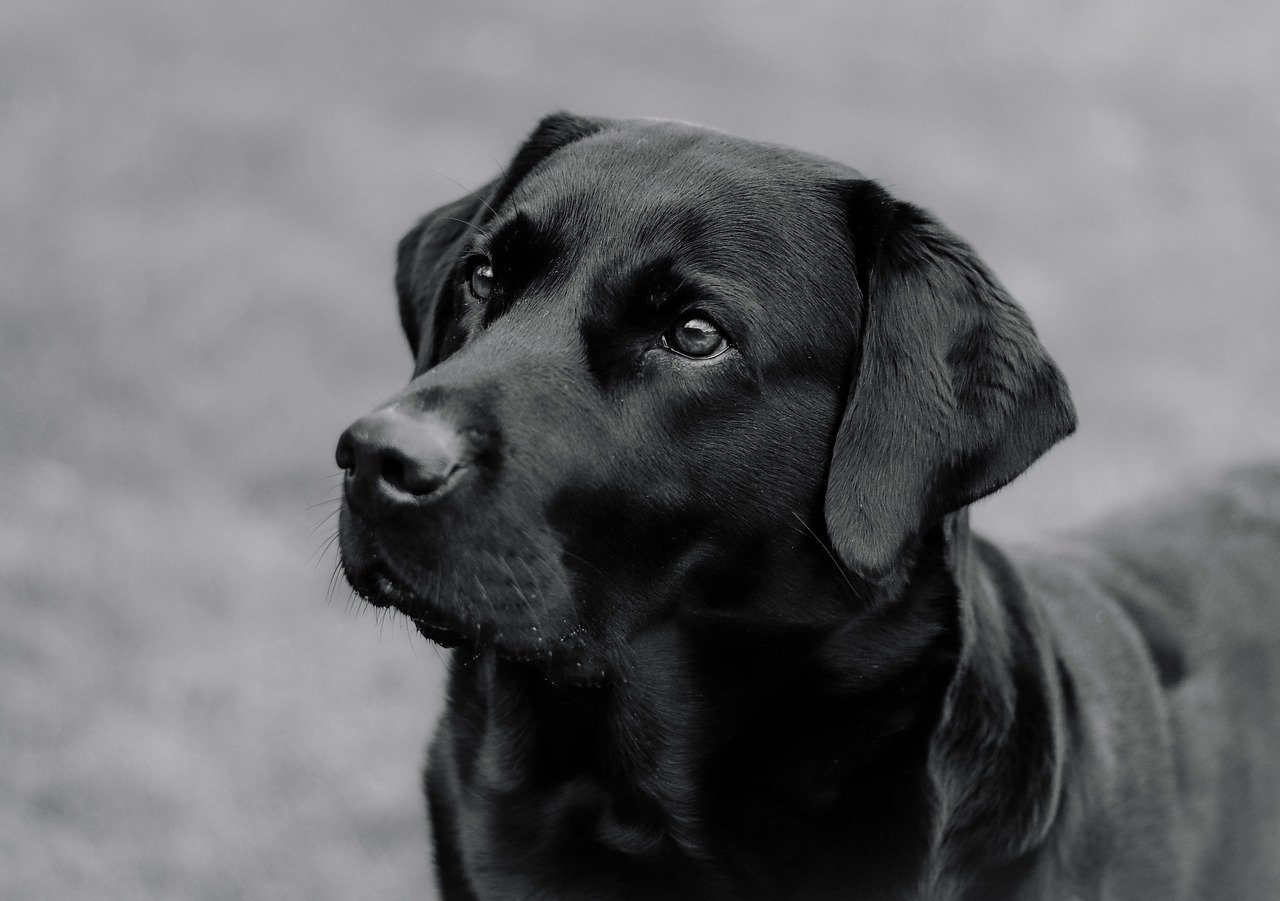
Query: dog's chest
x=569, y=840
x=539, y=800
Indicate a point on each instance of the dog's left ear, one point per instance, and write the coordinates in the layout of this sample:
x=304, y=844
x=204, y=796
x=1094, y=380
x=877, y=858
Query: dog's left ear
x=425, y=256
x=952, y=396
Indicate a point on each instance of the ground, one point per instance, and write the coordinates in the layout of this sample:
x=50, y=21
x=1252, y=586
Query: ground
x=198, y=208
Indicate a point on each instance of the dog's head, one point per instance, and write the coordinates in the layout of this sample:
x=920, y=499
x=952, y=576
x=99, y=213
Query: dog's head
x=661, y=370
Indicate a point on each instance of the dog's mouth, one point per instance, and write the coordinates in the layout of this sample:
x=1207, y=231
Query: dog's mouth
x=368, y=570
x=510, y=628
x=377, y=585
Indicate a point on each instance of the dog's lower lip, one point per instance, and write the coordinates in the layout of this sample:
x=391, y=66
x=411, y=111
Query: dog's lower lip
x=442, y=636
x=390, y=591
x=366, y=564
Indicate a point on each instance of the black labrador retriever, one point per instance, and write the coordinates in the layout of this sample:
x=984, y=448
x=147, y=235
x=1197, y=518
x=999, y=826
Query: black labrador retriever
x=683, y=471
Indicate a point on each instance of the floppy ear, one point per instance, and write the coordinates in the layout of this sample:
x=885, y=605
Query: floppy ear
x=952, y=397
x=426, y=255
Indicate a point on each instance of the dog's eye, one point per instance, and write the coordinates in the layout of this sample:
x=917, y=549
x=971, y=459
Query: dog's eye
x=695, y=337
x=480, y=278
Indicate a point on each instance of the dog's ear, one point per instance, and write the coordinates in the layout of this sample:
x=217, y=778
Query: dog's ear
x=426, y=255
x=424, y=258
x=952, y=394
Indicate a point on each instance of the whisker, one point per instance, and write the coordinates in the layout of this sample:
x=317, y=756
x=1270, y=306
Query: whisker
x=584, y=561
x=457, y=220
x=822, y=544
x=469, y=191
x=515, y=583
x=548, y=551
x=328, y=516
x=354, y=607
x=319, y=552
x=485, y=595
x=334, y=580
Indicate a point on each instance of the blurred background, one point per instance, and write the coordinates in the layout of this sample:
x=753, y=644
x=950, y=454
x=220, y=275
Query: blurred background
x=199, y=204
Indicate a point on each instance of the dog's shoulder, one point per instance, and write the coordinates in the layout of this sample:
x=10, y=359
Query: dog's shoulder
x=1209, y=517
x=1165, y=620
x=1207, y=554
x=1173, y=597
x=1189, y=570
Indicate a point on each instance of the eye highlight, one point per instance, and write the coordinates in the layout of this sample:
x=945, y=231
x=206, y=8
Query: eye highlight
x=695, y=337
x=480, y=281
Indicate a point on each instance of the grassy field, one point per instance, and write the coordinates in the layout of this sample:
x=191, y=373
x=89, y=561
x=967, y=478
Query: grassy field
x=198, y=206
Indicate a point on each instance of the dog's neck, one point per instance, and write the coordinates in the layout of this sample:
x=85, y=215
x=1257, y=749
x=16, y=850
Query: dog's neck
x=767, y=752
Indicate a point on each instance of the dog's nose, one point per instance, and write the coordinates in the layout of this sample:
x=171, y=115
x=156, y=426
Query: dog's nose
x=394, y=458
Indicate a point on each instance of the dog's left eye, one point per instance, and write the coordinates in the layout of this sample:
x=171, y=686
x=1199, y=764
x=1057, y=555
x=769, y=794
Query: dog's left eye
x=695, y=337
x=480, y=278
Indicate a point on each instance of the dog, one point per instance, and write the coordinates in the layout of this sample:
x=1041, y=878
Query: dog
x=683, y=473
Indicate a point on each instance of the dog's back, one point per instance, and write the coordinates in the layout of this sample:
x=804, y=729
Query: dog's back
x=1168, y=619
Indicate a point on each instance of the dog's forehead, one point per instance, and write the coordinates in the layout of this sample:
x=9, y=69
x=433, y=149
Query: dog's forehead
x=757, y=232
x=654, y=174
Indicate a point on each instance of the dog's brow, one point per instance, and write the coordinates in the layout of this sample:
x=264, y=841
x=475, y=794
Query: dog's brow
x=664, y=287
x=523, y=254
x=502, y=230
x=658, y=283
x=734, y=302
x=524, y=247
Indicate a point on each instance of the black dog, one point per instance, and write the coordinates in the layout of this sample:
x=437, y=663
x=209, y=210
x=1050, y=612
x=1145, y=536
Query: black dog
x=683, y=470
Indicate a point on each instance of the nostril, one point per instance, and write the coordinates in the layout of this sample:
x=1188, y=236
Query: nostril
x=417, y=475
x=391, y=468
x=345, y=456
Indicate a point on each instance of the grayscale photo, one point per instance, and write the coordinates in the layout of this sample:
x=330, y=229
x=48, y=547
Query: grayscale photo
x=613, y=452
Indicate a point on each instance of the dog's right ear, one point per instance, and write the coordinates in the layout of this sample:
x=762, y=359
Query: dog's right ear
x=425, y=256
x=953, y=394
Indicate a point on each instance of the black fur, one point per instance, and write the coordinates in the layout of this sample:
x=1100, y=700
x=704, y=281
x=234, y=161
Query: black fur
x=723, y=631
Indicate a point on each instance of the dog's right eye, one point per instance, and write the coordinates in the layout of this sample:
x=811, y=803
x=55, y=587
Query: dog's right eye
x=480, y=278
x=696, y=338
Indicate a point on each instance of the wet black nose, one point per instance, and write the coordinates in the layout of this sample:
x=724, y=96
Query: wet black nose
x=395, y=459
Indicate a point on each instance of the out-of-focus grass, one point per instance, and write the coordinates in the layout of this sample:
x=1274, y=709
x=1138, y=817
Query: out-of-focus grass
x=198, y=204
